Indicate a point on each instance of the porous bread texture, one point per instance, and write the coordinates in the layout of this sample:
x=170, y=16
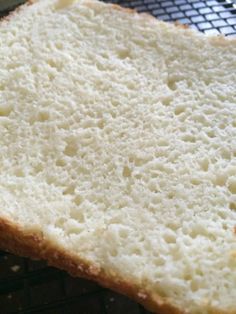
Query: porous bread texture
x=118, y=144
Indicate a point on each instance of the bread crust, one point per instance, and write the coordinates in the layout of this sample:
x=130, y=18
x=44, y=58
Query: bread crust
x=15, y=11
x=33, y=244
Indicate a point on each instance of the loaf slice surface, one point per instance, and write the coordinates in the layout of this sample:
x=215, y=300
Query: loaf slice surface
x=118, y=152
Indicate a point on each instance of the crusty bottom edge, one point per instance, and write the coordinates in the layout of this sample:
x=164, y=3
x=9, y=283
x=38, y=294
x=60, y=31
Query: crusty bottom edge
x=28, y=243
x=14, y=239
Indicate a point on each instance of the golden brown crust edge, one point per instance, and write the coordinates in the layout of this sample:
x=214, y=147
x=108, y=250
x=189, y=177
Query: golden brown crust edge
x=15, y=11
x=32, y=244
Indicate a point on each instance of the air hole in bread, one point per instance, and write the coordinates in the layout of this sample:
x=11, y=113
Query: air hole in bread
x=60, y=222
x=195, y=181
x=232, y=206
x=5, y=109
x=38, y=168
x=232, y=185
x=123, y=54
x=171, y=83
x=163, y=142
x=101, y=124
x=78, y=200
x=43, y=116
x=204, y=164
x=19, y=172
x=113, y=252
x=60, y=162
x=225, y=153
x=220, y=179
x=166, y=101
x=127, y=172
x=71, y=147
x=69, y=190
x=55, y=64
x=59, y=45
x=170, y=237
x=194, y=285
x=159, y=261
x=222, y=126
x=211, y=134
x=77, y=215
x=50, y=180
x=179, y=109
x=189, y=138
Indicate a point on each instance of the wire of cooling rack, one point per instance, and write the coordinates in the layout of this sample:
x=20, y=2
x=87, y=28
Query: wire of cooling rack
x=29, y=287
x=211, y=16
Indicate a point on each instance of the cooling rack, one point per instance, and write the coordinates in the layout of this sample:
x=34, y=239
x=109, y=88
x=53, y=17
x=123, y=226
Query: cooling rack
x=30, y=287
x=210, y=17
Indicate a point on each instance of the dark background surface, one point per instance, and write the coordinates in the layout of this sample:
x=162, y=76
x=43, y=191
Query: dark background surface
x=31, y=287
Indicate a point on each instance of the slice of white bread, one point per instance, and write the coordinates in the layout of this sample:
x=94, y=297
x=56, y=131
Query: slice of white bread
x=118, y=152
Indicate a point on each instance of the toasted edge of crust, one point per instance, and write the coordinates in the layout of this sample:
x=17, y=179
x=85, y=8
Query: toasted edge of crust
x=16, y=240
x=15, y=11
x=33, y=244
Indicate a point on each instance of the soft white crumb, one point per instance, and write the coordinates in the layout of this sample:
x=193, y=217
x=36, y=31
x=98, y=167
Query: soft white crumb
x=118, y=144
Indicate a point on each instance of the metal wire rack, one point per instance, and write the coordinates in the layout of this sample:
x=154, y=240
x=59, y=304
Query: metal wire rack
x=210, y=16
x=29, y=287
